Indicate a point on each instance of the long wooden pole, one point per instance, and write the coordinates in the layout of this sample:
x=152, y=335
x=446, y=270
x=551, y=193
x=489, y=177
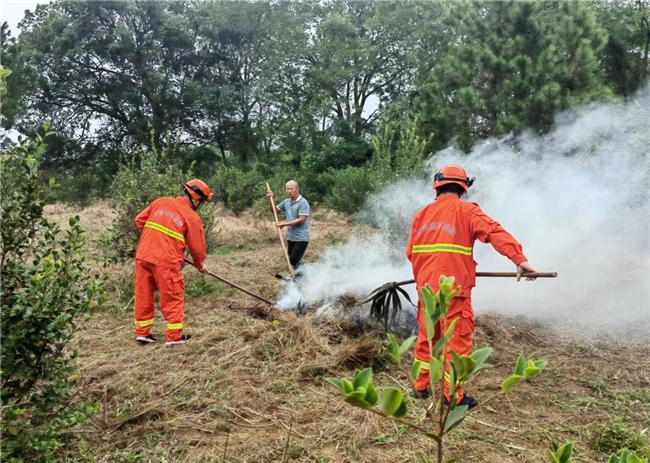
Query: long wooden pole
x=284, y=249
x=235, y=286
x=496, y=274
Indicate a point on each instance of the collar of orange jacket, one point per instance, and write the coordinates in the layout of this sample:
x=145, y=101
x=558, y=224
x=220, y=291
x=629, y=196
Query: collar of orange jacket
x=448, y=197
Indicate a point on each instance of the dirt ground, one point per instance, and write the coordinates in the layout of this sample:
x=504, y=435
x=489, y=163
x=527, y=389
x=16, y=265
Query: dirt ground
x=251, y=387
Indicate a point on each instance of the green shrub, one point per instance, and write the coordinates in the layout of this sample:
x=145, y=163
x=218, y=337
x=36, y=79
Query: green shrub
x=399, y=152
x=47, y=290
x=81, y=188
x=236, y=188
x=350, y=188
x=133, y=189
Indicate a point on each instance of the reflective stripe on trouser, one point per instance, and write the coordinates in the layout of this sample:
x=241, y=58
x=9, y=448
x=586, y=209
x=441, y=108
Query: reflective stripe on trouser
x=461, y=342
x=171, y=287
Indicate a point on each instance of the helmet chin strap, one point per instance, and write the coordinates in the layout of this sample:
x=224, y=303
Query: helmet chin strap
x=195, y=208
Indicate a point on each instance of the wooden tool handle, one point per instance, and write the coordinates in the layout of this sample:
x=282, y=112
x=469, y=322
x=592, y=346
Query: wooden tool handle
x=496, y=274
x=284, y=249
x=235, y=286
x=514, y=274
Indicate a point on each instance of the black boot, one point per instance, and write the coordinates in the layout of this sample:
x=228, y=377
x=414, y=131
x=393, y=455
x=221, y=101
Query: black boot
x=471, y=402
x=421, y=394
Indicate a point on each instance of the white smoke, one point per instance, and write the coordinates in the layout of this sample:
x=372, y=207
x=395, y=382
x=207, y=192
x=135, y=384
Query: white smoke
x=577, y=199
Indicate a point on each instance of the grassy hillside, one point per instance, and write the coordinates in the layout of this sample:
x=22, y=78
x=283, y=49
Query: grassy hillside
x=252, y=377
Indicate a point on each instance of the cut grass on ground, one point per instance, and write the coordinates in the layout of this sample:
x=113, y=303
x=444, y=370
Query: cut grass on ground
x=251, y=375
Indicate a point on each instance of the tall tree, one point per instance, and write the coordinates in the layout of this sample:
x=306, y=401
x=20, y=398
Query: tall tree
x=360, y=50
x=511, y=66
x=626, y=57
x=113, y=71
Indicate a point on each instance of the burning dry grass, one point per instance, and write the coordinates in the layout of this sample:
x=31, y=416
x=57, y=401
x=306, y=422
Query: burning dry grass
x=254, y=376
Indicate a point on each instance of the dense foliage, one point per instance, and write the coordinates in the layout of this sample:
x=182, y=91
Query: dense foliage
x=47, y=291
x=251, y=91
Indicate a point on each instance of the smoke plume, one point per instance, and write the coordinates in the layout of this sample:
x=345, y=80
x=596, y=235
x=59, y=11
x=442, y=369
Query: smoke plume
x=576, y=198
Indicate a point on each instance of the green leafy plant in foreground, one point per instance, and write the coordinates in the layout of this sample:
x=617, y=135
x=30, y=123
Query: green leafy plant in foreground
x=564, y=453
x=442, y=417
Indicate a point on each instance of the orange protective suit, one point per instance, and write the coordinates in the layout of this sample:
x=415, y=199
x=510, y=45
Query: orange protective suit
x=168, y=225
x=441, y=243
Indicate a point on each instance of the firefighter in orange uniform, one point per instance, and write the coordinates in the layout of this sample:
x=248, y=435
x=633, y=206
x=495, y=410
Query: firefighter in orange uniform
x=168, y=225
x=441, y=243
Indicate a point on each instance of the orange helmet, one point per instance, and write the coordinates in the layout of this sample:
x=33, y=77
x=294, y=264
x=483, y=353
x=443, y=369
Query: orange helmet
x=452, y=174
x=198, y=189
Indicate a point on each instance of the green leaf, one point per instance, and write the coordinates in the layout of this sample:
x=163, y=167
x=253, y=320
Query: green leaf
x=371, y=395
x=455, y=293
x=415, y=370
x=12, y=431
x=464, y=366
x=551, y=457
x=437, y=349
x=391, y=399
x=401, y=411
x=363, y=378
x=406, y=345
x=540, y=364
x=434, y=370
x=531, y=372
x=565, y=452
x=451, y=327
x=481, y=367
x=445, y=289
x=444, y=305
x=613, y=459
x=337, y=383
x=634, y=459
x=452, y=380
x=521, y=366
x=347, y=387
x=393, y=343
x=435, y=437
x=436, y=314
x=455, y=415
x=426, y=296
x=458, y=364
x=510, y=382
x=428, y=323
x=481, y=355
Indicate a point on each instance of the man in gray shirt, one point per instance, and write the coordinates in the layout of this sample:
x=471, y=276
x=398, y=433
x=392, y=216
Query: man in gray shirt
x=296, y=209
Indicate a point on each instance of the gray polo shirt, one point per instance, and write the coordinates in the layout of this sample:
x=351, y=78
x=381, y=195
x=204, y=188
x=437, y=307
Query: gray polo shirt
x=293, y=211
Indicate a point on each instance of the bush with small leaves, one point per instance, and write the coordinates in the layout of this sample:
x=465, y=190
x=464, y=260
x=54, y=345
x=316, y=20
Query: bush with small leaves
x=47, y=291
x=443, y=417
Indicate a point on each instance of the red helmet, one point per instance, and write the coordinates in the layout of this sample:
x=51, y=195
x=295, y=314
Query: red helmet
x=452, y=174
x=198, y=189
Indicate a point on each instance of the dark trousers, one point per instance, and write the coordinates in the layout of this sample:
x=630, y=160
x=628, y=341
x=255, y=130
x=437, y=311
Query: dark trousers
x=296, y=251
